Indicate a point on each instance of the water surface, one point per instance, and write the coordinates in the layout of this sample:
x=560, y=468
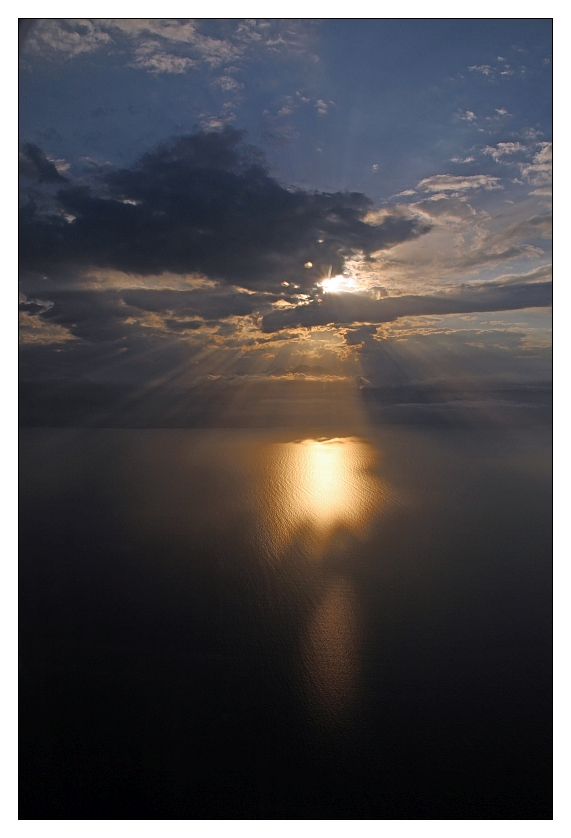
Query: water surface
x=252, y=624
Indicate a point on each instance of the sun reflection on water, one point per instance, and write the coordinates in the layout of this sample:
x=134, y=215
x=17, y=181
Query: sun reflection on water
x=323, y=484
x=311, y=490
x=323, y=472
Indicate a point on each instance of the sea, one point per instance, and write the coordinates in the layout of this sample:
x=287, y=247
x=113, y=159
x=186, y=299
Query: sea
x=285, y=624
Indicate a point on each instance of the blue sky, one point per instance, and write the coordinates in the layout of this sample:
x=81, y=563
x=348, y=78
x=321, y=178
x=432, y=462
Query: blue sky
x=366, y=201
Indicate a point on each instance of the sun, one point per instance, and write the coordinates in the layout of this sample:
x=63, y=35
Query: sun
x=335, y=284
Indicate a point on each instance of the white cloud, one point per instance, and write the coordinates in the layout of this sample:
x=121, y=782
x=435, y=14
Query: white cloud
x=67, y=38
x=468, y=116
x=537, y=275
x=533, y=135
x=539, y=170
x=462, y=244
x=292, y=103
x=170, y=29
x=485, y=69
x=168, y=45
x=537, y=226
x=212, y=52
x=149, y=56
x=216, y=123
x=61, y=165
x=445, y=207
x=492, y=72
x=450, y=183
x=228, y=83
x=503, y=150
x=33, y=330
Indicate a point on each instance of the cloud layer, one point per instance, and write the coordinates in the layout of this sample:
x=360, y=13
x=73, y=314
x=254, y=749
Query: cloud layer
x=205, y=203
x=356, y=308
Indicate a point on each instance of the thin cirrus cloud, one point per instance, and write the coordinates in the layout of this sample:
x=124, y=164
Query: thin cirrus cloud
x=458, y=183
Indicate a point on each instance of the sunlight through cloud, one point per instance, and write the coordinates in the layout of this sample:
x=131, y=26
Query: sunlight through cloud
x=335, y=284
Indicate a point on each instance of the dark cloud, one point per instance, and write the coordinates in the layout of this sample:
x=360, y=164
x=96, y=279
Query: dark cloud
x=90, y=315
x=34, y=164
x=183, y=325
x=359, y=308
x=31, y=307
x=205, y=203
x=356, y=337
x=196, y=302
x=99, y=315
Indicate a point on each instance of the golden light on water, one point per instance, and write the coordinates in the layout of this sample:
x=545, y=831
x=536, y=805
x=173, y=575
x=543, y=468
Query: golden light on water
x=311, y=489
x=326, y=480
x=331, y=655
x=321, y=484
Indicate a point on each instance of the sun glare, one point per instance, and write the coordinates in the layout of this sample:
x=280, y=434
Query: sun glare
x=335, y=284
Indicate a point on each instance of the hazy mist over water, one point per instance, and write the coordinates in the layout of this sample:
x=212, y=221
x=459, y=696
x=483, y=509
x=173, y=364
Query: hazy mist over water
x=281, y=624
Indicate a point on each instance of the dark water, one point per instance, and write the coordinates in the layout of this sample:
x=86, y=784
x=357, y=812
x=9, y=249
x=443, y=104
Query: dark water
x=228, y=624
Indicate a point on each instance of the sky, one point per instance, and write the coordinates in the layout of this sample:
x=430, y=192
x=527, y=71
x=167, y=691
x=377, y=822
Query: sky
x=259, y=222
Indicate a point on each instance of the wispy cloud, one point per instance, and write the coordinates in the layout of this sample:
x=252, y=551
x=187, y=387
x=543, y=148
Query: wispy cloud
x=150, y=56
x=67, y=38
x=167, y=45
x=539, y=171
x=503, y=150
x=457, y=183
x=499, y=69
x=484, y=69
